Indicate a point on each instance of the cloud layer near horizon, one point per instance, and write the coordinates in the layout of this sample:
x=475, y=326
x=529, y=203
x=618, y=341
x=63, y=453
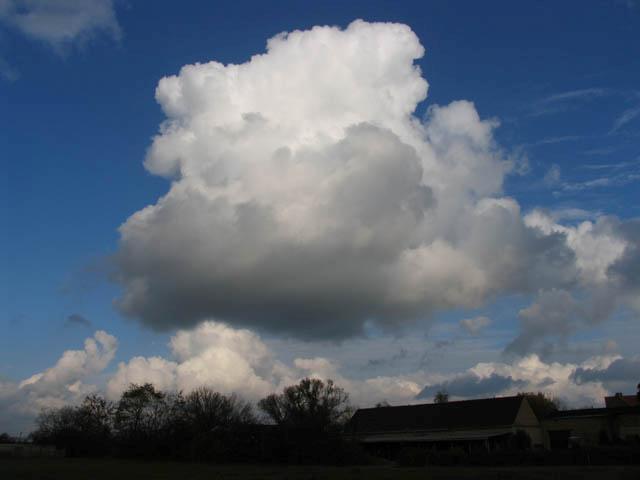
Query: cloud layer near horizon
x=239, y=361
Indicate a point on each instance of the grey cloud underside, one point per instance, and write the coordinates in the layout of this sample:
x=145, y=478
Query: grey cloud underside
x=470, y=385
x=621, y=375
x=327, y=287
x=249, y=272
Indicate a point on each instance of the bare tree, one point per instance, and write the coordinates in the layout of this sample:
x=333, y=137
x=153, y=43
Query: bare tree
x=312, y=403
x=206, y=410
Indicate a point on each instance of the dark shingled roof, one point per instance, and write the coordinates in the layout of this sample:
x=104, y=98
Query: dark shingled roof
x=468, y=414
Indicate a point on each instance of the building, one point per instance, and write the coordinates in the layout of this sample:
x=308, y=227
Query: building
x=491, y=424
x=591, y=427
x=487, y=424
x=620, y=400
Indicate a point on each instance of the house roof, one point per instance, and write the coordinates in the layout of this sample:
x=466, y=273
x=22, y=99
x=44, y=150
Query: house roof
x=467, y=414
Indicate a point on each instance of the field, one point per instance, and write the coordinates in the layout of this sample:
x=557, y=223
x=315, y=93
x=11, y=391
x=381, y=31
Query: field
x=76, y=469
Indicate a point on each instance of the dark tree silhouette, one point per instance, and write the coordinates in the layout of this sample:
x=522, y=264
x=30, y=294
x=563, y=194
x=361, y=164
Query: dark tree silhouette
x=441, y=397
x=207, y=410
x=310, y=404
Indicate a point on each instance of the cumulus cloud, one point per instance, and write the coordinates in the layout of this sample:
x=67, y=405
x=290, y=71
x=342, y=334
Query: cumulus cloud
x=607, y=258
x=307, y=198
x=212, y=354
x=62, y=384
x=61, y=23
x=621, y=375
x=238, y=361
x=528, y=373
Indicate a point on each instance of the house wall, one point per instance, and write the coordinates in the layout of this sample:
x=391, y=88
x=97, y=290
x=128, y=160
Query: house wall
x=585, y=430
x=527, y=420
x=628, y=426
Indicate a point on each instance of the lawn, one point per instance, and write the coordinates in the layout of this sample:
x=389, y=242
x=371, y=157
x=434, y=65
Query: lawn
x=76, y=469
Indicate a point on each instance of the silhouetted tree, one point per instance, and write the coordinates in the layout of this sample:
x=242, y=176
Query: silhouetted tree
x=61, y=428
x=207, y=410
x=148, y=420
x=383, y=404
x=441, y=397
x=311, y=404
x=219, y=426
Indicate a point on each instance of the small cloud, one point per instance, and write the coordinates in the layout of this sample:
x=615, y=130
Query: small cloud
x=62, y=23
x=475, y=325
x=600, y=151
x=611, y=166
x=552, y=177
x=554, y=140
x=75, y=319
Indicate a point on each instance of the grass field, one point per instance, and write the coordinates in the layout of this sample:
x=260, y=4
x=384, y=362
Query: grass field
x=76, y=469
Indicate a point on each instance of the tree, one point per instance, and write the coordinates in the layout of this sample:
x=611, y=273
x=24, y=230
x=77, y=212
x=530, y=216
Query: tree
x=219, y=426
x=441, y=397
x=81, y=430
x=311, y=404
x=59, y=427
x=541, y=403
x=150, y=422
x=207, y=410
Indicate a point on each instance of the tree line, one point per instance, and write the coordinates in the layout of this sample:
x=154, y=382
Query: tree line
x=302, y=424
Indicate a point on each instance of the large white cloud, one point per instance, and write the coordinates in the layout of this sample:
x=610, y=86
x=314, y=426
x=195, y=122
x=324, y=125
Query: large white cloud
x=307, y=198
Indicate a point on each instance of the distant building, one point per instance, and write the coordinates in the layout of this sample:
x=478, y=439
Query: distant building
x=471, y=424
x=591, y=426
x=491, y=424
x=620, y=400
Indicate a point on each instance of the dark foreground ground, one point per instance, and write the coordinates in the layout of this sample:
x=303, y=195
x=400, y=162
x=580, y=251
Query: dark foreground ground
x=73, y=469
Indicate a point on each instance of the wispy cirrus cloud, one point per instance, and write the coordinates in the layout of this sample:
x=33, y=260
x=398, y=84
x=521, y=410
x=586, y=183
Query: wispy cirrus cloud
x=563, y=101
x=626, y=117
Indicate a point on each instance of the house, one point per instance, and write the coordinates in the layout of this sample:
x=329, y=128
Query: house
x=485, y=424
x=591, y=426
x=620, y=400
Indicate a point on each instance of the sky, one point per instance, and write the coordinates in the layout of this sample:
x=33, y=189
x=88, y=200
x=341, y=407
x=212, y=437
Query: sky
x=401, y=196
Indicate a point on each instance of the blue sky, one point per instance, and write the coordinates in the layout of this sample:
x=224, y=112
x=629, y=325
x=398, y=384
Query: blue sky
x=561, y=78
